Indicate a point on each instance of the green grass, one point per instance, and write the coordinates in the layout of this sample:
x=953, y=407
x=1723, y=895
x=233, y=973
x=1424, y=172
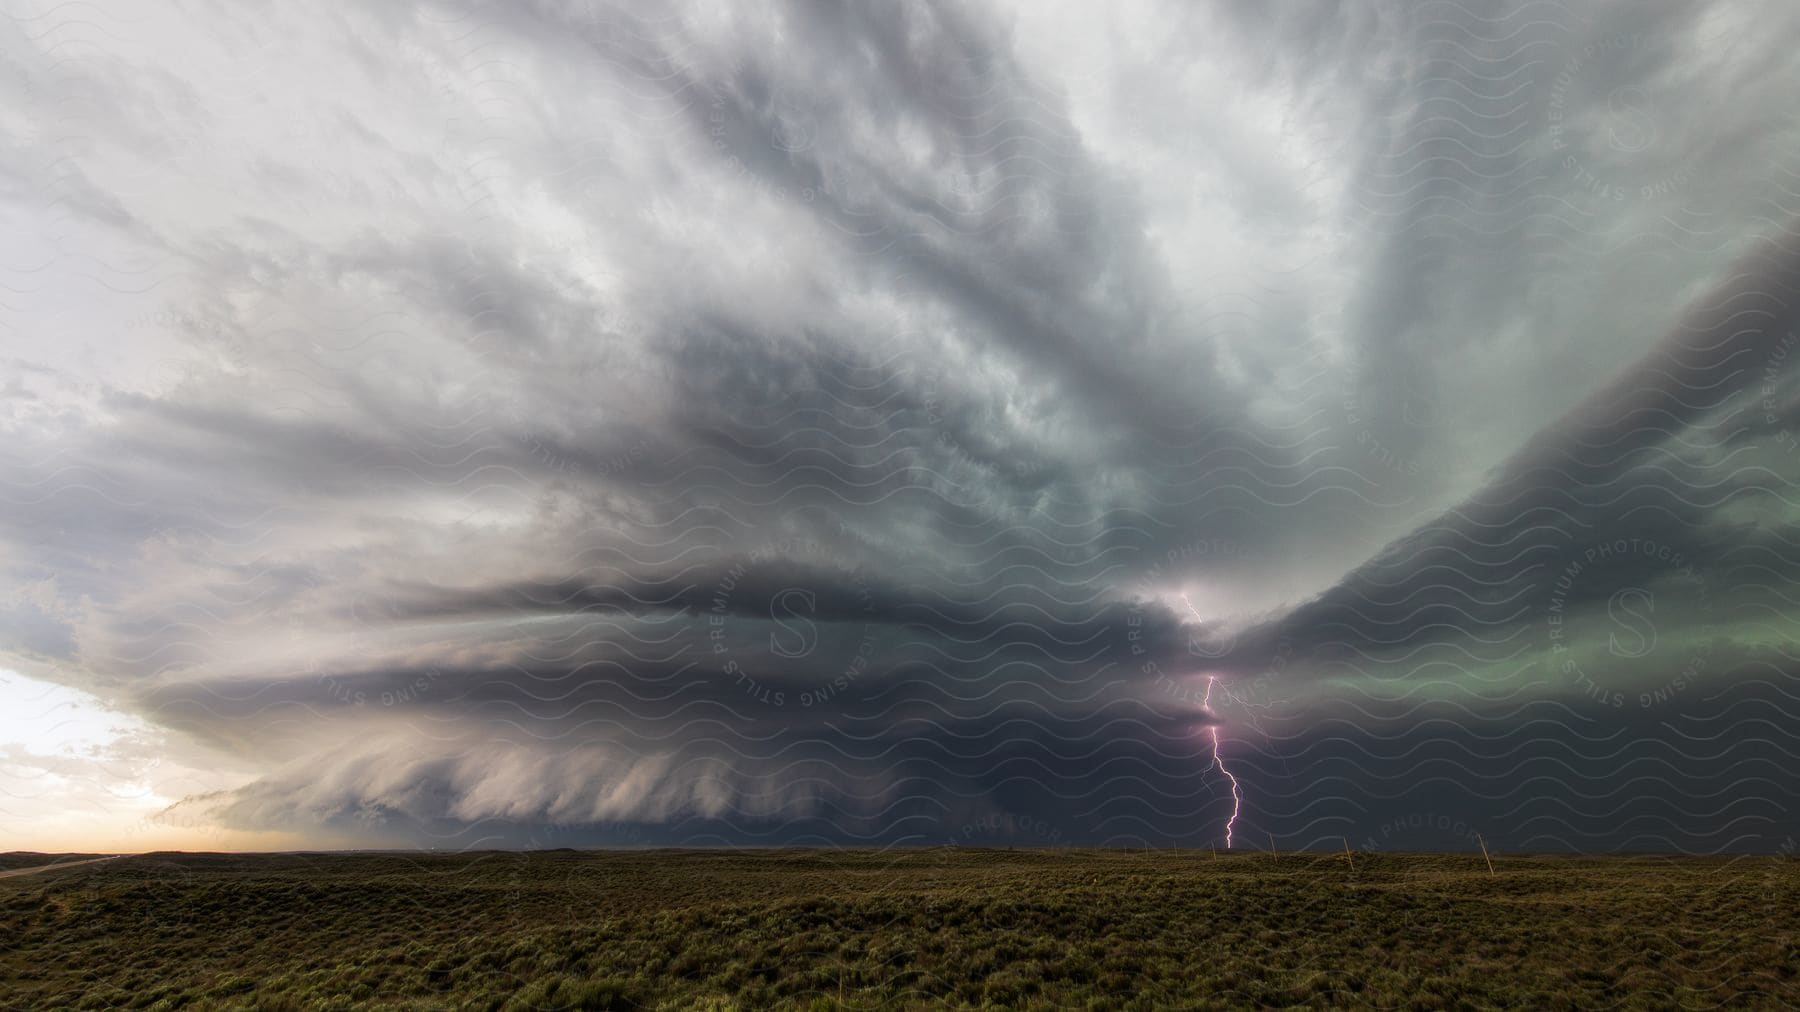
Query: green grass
x=907, y=929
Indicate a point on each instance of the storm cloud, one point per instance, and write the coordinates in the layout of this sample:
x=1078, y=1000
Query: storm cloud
x=831, y=423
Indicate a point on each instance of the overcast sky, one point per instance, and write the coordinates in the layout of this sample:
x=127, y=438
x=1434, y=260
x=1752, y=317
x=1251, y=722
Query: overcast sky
x=578, y=423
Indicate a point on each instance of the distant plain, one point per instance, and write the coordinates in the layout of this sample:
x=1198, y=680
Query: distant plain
x=925, y=928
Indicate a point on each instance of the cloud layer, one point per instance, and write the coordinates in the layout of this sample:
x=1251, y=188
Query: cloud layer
x=847, y=424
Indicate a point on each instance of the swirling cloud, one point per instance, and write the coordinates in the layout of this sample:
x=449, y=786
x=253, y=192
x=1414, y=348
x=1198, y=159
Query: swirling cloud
x=813, y=423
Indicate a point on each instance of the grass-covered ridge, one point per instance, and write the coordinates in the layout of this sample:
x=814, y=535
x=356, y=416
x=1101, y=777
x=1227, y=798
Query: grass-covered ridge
x=975, y=928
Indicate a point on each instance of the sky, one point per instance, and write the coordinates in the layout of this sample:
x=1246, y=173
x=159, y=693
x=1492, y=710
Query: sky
x=580, y=423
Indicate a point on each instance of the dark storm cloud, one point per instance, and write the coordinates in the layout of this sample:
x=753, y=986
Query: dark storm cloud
x=838, y=422
x=1639, y=463
x=1611, y=589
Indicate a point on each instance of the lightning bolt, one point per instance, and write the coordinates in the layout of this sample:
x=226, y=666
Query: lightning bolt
x=1237, y=795
x=1212, y=728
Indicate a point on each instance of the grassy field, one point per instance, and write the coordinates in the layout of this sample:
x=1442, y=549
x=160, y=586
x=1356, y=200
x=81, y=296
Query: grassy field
x=906, y=929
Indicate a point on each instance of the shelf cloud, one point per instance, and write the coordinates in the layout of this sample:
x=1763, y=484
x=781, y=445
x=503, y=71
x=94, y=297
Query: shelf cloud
x=581, y=423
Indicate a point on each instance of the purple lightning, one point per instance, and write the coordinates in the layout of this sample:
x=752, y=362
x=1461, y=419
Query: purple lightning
x=1237, y=795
